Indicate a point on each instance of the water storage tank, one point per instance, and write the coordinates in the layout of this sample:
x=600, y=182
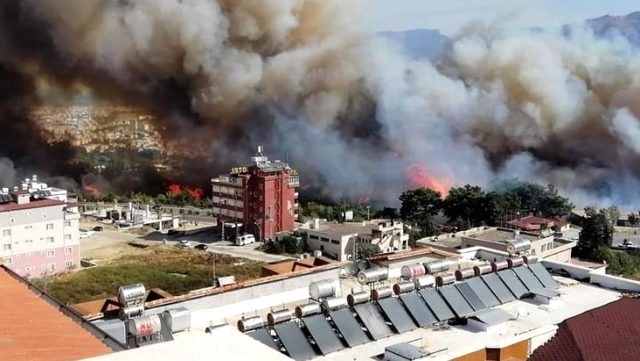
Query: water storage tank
x=445, y=280
x=178, y=319
x=131, y=311
x=333, y=303
x=307, y=309
x=279, y=316
x=464, y=274
x=131, y=294
x=250, y=323
x=403, y=287
x=425, y=281
x=437, y=266
x=530, y=259
x=322, y=289
x=497, y=266
x=515, y=262
x=145, y=326
x=380, y=293
x=518, y=245
x=373, y=275
x=413, y=271
x=481, y=269
x=358, y=298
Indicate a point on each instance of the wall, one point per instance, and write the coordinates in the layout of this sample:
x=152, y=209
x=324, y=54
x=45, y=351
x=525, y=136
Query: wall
x=480, y=355
x=472, y=242
x=613, y=282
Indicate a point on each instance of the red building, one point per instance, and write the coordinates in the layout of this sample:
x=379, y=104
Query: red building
x=260, y=199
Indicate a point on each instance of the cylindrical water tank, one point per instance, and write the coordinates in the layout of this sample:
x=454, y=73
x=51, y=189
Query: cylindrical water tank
x=279, y=316
x=445, y=280
x=481, y=269
x=307, y=309
x=380, y=293
x=403, y=287
x=464, y=274
x=373, y=275
x=250, y=323
x=425, y=281
x=178, y=319
x=530, y=259
x=515, y=262
x=413, y=271
x=131, y=293
x=357, y=298
x=518, y=245
x=437, y=266
x=322, y=289
x=131, y=311
x=144, y=326
x=497, y=266
x=333, y=303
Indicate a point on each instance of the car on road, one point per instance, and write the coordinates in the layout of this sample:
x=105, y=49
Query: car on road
x=184, y=243
x=245, y=239
x=201, y=247
x=98, y=228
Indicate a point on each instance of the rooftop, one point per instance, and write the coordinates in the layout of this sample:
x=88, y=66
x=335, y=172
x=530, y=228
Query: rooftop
x=339, y=229
x=503, y=235
x=33, y=204
x=36, y=327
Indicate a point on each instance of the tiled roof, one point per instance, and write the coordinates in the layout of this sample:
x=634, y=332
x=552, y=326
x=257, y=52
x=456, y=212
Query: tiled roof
x=608, y=333
x=33, y=326
x=33, y=204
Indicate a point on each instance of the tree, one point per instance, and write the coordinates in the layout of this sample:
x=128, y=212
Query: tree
x=613, y=215
x=633, y=219
x=597, y=231
x=418, y=207
x=466, y=205
x=367, y=250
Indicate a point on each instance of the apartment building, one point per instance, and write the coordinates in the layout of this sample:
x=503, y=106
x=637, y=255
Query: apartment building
x=39, y=230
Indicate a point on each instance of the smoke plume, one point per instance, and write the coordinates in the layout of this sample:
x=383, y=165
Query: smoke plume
x=350, y=110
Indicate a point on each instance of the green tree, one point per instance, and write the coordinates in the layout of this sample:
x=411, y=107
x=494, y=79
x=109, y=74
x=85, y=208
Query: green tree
x=466, y=205
x=367, y=250
x=633, y=219
x=418, y=208
x=613, y=215
x=596, y=231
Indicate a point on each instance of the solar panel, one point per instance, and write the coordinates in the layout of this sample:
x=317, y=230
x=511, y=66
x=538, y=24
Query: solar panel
x=373, y=321
x=263, y=335
x=528, y=278
x=472, y=298
x=498, y=287
x=481, y=289
x=421, y=314
x=493, y=317
x=437, y=305
x=544, y=276
x=323, y=334
x=297, y=345
x=348, y=327
x=513, y=283
x=454, y=298
x=396, y=314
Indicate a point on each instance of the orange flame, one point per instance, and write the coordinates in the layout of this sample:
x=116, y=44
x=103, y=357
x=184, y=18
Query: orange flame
x=418, y=176
x=87, y=188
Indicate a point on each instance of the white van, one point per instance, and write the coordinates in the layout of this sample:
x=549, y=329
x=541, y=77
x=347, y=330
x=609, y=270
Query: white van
x=245, y=239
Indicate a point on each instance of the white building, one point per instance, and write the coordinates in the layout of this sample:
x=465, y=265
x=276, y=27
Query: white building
x=39, y=230
x=340, y=240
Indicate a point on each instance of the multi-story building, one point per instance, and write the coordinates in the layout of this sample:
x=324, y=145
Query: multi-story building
x=39, y=229
x=260, y=199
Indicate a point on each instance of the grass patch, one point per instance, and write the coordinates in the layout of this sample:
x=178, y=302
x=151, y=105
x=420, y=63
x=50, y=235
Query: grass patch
x=175, y=270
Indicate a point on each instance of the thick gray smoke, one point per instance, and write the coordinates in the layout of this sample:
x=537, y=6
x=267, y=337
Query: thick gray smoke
x=357, y=116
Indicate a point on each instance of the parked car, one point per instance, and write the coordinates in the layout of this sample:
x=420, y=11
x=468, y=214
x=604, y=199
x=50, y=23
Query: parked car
x=184, y=243
x=201, y=247
x=245, y=239
x=98, y=228
x=173, y=232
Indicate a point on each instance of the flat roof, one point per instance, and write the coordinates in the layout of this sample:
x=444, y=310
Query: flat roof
x=502, y=235
x=32, y=204
x=33, y=326
x=339, y=229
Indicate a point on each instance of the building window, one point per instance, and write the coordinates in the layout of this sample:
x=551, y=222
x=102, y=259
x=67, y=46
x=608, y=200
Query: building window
x=51, y=267
x=313, y=236
x=28, y=241
x=31, y=254
x=68, y=264
x=68, y=250
x=50, y=240
x=49, y=226
x=51, y=253
x=324, y=239
x=543, y=248
x=8, y=260
x=67, y=237
x=335, y=242
x=6, y=232
x=67, y=223
x=6, y=247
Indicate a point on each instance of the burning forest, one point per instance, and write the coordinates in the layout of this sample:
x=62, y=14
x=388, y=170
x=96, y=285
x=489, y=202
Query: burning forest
x=354, y=114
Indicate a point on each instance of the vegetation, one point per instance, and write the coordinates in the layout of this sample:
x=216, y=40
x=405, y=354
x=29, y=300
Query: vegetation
x=287, y=245
x=334, y=212
x=418, y=208
x=367, y=250
x=172, y=269
x=597, y=232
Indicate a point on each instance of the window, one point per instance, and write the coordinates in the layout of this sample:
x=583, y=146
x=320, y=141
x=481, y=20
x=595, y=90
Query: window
x=49, y=226
x=6, y=247
x=50, y=240
x=68, y=250
x=6, y=232
x=543, y=248
x=67, y=237
x=8, y=260
x=324, y=239
x=335, y=242
x=313, y=236
x=28, y=241
x=30, y=254
x=29, y=269
x=68, y=264
x=51, y=253
x=67, y=223
x=51, y=267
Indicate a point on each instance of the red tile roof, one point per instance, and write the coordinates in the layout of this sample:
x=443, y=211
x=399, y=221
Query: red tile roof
x=33, y=204
x=608, y=333
x=31, y=328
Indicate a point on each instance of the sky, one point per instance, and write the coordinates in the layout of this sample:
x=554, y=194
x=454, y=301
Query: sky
x=450, y=15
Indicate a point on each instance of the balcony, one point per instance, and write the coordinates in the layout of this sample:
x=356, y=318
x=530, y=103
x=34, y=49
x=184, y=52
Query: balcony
x=71, y=216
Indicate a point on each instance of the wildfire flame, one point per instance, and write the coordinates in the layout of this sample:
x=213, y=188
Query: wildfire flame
x=177, y=189
x=418, y=176
x=87, y=188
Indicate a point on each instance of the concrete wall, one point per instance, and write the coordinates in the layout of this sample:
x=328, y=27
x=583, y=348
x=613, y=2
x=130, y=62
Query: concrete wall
x=616, y=283
x=576, y=272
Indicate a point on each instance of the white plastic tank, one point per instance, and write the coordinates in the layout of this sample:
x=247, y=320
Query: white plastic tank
x=412, y=271
x=438, y=266
x=372, y=275
x=403, y=287
x=358, y=298
x=250, y=323
x=307, y=309
x=279, y=316
x=322, y=289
